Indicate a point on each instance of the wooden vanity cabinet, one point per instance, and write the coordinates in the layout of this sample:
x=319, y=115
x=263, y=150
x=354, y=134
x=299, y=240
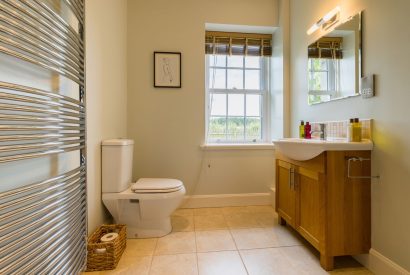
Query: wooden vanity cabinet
x=319, y=200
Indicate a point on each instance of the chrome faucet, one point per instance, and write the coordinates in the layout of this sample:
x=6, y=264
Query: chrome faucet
x=322, y=131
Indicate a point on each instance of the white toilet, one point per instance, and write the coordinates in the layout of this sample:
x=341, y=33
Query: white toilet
x=144, y=206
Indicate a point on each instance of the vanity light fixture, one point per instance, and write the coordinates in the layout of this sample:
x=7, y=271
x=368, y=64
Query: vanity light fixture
x=326, y=21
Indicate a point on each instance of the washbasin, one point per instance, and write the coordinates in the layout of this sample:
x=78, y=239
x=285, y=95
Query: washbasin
x=305, y=149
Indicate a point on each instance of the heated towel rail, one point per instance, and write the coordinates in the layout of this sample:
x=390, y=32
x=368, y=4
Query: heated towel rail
x=43, y=223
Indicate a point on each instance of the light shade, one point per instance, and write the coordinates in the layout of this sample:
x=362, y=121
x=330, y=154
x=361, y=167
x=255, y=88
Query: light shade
x=329, y=19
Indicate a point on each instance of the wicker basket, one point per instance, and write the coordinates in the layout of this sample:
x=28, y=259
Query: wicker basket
x=105, y=256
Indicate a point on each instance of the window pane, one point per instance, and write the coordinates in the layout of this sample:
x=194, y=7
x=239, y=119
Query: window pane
x=235, y=61
x=217, y=103
x=235, y=79
x=318, y=81
x=217, y=128
x=235, y=128
x=318, y=98
x=318, y=64
x=253, y=128
x=217, y=60
x=217, y=78
x=253, y=105
x=252, y=62
x=236, y=105
x=252, y=79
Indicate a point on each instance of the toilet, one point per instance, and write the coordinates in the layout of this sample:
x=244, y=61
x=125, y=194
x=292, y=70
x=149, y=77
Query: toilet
x=144, y=206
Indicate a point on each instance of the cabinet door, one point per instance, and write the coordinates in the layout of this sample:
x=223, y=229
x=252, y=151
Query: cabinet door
x=308, y=222
x=285, y=193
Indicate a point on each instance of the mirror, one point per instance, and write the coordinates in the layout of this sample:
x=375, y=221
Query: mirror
x=334, y=63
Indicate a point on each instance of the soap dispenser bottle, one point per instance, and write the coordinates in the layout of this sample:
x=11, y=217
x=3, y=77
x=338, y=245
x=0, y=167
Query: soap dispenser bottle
x=349, y=132
x=308, y=128
x=302, y=129
x=357, y=130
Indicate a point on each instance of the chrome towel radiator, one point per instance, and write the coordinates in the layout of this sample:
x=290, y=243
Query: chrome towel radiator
x=43, y=222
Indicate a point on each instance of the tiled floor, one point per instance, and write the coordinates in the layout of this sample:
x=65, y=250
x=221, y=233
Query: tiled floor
x=224, y=241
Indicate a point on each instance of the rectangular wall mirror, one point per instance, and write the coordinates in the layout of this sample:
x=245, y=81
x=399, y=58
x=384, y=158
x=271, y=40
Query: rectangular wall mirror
x=334, y=62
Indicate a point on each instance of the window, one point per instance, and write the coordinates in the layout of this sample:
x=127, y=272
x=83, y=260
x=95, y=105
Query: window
x=323, y=79
x=237, y=97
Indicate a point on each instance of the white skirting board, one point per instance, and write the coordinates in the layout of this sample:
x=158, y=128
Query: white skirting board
x=222, y=200
x=379, y=264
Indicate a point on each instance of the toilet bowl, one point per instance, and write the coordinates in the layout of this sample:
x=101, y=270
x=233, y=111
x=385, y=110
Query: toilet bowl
x=144, y=206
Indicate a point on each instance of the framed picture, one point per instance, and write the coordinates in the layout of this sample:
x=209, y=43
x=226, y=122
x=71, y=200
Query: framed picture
x=167, y=69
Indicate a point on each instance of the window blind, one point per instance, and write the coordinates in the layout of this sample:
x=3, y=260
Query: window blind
x=326, y=47
x=234, y=43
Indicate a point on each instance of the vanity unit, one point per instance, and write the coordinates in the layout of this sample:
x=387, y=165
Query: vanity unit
x=323, y=192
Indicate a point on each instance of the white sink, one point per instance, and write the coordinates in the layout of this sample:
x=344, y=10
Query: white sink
x=305, y=149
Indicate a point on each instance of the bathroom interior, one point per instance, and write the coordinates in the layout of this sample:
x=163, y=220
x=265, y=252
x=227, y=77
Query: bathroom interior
x=204, y=137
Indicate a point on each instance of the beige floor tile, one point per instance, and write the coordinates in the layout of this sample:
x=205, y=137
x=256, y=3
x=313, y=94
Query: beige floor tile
x=176, y=242
x=129, y=266
x=346, y=265
x=182, y=223
x=303, y=259
x=234, y=210
x=351, y=271
x=251, y=238
x=216, y=240
x=261, y=209
x=210, y=222
x=208, y=211
x=241, y=220
x=267, y=261
x=183, y=212
x=220, y=263
x=179, y=264
x=266, y=219
x=140, y=247
x=287, y=236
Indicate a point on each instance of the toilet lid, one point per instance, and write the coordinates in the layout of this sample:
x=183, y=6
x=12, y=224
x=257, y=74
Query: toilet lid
x=156, y=185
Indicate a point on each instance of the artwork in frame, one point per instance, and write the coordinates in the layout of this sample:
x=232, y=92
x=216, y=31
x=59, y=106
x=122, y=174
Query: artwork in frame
x=167, y=69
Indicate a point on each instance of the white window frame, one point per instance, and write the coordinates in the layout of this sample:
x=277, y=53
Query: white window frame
x=332, y=74
x=265, y=84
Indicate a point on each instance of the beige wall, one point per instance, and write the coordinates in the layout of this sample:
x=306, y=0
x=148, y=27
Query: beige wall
x=106, y=61
x=386, y=40
x=168, y=125
x=280, y=65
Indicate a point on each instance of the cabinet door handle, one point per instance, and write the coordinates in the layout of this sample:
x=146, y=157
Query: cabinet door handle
x=290, y=178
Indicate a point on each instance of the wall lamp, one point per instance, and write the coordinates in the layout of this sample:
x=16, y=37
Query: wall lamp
x=326, y=21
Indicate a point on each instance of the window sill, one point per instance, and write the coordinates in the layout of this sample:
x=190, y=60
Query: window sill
x=234, y=146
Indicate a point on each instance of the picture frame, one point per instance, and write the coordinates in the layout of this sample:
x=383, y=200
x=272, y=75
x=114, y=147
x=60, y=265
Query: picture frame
x=167, y=70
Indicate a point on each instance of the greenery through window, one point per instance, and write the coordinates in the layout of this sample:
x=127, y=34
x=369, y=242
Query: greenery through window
x=237, y=91
x=323, y=79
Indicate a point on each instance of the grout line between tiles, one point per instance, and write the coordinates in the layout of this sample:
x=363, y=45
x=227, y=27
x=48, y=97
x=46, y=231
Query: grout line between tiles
x=196, y=251
x=237, y=250
x=269, y=247
x=152, y=256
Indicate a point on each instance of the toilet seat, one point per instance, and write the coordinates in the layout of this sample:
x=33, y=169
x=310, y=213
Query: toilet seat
x=156, y=185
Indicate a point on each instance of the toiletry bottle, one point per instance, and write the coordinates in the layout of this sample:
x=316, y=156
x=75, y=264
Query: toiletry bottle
x=349, y=132
x=302, y=129
x=357, y=130
x=307, y=130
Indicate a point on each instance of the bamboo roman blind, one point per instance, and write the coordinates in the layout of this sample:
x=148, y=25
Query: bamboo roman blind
x=234, y=43
x=326, y=47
